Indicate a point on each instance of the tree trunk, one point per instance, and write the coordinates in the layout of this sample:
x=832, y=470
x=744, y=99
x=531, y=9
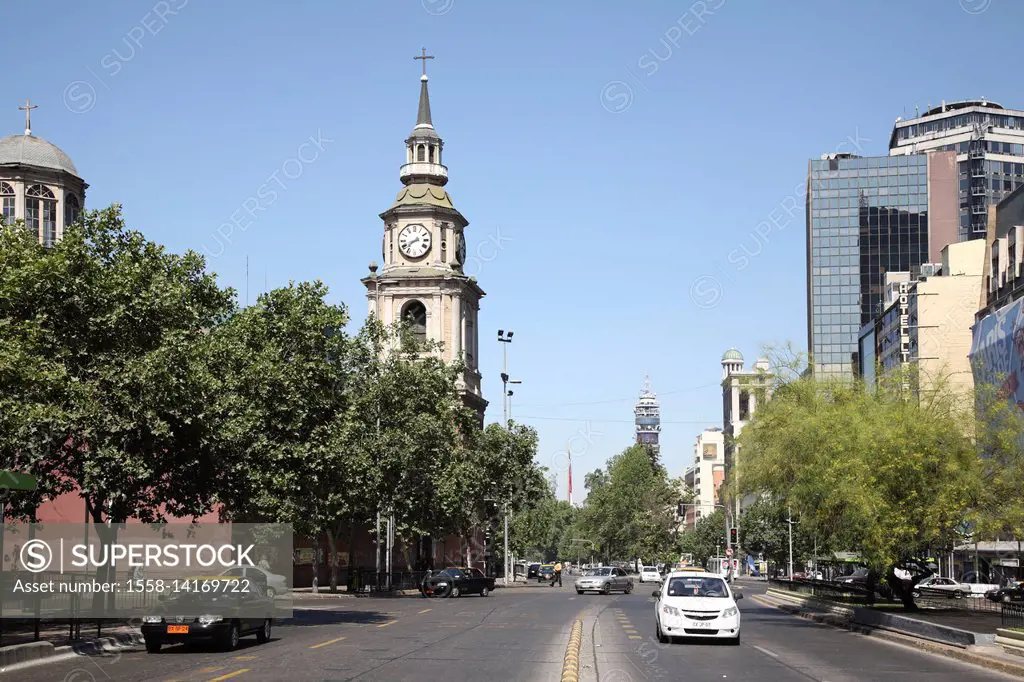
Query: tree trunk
x=351, y=549
x=332, y=558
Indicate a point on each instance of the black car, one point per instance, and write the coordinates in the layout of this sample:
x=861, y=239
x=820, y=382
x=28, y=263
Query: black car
x=454, y=582
x=1014, y=592
x=533, y=571
x=225, y=616
x=546, y=573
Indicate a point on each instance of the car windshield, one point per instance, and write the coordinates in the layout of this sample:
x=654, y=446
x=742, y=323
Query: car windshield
x=650, y=569
x=451, y=573
x=598, y=571
x=697, y=587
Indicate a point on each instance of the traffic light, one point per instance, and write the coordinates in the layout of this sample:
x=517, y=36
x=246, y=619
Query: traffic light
x=734, y=536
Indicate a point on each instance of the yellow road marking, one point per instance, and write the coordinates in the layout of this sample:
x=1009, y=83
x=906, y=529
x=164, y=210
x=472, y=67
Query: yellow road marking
x=635, y=637
x=246, y=658
x=390, y=622
x=212, y=669
x=330, y=641
x=230, y=675
x=630, y=631
x=425, y=610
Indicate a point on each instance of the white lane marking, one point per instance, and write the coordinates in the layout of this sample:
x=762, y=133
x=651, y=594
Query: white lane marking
x=765, y=651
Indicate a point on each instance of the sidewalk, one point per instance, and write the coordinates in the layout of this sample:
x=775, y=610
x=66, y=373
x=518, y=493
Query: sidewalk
x=989, y=656
x=19, y=649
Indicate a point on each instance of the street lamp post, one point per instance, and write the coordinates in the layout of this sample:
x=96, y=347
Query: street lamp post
x=505, y=339
x=391, y=519
x=790, y=524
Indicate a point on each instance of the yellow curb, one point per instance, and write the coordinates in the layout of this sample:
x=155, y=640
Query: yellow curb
x=571, y=662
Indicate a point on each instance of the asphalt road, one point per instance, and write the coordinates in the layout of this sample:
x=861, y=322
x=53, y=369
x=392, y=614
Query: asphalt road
x=776, y=647
x=513, y=634
x=519, y=634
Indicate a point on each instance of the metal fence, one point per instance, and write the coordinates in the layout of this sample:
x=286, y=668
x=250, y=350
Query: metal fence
x=1012, y=615
x=846, y=594
x=371, y=581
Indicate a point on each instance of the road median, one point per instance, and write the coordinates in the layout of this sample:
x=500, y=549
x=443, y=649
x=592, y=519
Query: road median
x=571, y=662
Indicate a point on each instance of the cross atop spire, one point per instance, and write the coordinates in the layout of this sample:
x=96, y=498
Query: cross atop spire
x=27, y=108
x=424, y=57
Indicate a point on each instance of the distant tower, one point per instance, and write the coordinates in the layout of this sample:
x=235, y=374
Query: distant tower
x=648, y=419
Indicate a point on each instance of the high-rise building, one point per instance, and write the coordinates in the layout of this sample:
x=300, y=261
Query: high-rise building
x=868, y=216
x=988, y=141
x=706, y=475
x=647, y=417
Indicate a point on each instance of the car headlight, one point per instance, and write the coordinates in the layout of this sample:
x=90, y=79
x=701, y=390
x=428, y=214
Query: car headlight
x=152, y=619
x=730, y=612
x=670, y=610
x=207, y=620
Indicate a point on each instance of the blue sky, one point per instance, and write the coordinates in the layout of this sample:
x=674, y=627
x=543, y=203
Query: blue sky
x=615, y=160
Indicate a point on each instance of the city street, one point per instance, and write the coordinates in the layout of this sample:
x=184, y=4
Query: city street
x=520, y=634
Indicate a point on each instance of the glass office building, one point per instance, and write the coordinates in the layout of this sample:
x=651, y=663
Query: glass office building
x=867, y=216
x=989, y=144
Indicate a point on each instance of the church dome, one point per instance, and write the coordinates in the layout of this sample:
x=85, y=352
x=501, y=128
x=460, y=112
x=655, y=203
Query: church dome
x=30, y=150
x=732, y=355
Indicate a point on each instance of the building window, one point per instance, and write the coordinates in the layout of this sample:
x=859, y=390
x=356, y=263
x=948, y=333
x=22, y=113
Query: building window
x=415, y=316
x=431, y=157
x=41, y=213
x=6, y=203
x=72, y=209
x=421, y=154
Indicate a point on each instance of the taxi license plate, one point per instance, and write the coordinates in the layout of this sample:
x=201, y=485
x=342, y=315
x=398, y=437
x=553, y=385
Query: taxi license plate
x=177, y=629
x=700, y=624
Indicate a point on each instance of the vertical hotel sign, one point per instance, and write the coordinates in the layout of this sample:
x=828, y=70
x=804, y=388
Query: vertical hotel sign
x=904, y=302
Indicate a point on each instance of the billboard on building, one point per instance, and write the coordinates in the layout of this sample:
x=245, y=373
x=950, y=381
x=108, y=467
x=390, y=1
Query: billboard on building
x=997, y=351
x=710, y=450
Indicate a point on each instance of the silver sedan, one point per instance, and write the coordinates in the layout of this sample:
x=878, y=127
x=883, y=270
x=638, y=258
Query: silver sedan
x=604, y=580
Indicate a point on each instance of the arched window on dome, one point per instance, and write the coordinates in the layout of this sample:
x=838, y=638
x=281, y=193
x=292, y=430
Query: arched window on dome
x=421, y=152
x=6, y=203
x=72, y=209
x=41, y=213
x=414, y=315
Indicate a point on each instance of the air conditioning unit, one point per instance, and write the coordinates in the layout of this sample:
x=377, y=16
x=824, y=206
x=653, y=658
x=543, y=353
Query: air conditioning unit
x=930, y=269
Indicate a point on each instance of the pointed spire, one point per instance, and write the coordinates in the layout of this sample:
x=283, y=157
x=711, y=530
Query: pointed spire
x=423, y=115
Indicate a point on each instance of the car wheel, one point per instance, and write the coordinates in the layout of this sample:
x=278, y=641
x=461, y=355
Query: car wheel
x=271, y=592
x=152, y=647
x=957, y=594
x=230, y=642
x=1006, y=599
x=579, y=591
x=483, y=592
x=629, y=588
x=455, y=592
x=662, y=637
x=735, y=641
x=607, y=589
x=263, y=636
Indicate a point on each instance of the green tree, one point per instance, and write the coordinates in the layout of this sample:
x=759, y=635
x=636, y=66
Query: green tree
x=630, y=509
x=706, y=539
x=764, y=529
x=875, y=472
x=114, y=384
x=289, y=373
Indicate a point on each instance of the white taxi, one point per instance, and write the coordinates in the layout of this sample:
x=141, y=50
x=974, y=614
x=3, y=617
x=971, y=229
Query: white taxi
x=696, y=604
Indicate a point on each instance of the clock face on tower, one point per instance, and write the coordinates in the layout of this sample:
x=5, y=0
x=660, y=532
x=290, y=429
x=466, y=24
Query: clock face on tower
x=460, y=249
x=414, y=241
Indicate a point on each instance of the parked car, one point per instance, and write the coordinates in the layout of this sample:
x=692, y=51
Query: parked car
x=650, y=574
x=605, y=580
x=1010, y=593
x=273, y=583
x=223, y=617
x=533, y=571
x=545, y=573
x=691, y=604
x=944, y=587
x=455, y=582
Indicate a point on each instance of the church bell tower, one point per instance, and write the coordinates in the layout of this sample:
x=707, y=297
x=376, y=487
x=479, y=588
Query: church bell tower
x=421, y=280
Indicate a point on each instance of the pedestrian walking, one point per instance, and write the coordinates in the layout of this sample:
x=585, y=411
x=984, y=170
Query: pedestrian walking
x=557, y=577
